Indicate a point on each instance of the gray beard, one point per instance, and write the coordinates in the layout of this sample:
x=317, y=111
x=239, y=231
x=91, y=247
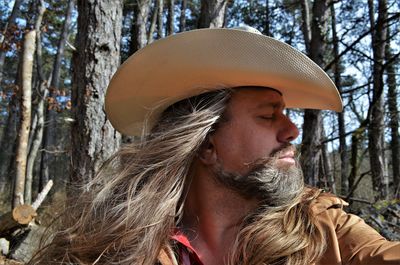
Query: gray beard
x=271, y=184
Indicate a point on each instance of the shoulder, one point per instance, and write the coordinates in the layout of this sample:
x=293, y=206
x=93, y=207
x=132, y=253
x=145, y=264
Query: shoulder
x=325, y=201
x=349, y=238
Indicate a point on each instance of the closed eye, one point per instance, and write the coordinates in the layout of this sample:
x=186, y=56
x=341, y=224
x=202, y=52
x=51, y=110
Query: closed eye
x=269, y=117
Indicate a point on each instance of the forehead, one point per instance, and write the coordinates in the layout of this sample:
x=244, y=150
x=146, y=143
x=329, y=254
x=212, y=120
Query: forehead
x=257, y=98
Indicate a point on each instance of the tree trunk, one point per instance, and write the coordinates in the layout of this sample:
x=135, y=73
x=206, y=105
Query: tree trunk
x=150, y=37
x=355, y=140
x=55, y=79
x=310, y=147
x=8, y=140
x=312, y=126
x=327, y=172
x=23, y=134
x=305, y=25
x=344, y=163
x=393, y=117
x=98, y=42
x=138, y=32
x=49, y=131
x=170, y=18
x=37, y=137
x=7, y=143
x=212, y=13
x=267, y=28
x=182, y=18
x=375, y=128
x=160, y=19
x=9, y=24
x=37, y=130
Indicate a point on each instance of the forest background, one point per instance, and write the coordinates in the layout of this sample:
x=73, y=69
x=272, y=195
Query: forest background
x=57, y=57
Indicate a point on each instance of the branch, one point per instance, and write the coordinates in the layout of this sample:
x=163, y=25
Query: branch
x=348, y=48
x=70, y=45
x=354, y=89
x=42, y=195
x=356, y=184
x=356, y=200
x=391, y=60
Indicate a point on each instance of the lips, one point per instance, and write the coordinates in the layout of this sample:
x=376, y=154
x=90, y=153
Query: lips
x=288, y=155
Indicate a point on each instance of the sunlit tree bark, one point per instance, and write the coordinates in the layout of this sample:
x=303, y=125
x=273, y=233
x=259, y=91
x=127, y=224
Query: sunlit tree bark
x=37, y=128
x=98, y=42
x=160, y=22
x=23, y=132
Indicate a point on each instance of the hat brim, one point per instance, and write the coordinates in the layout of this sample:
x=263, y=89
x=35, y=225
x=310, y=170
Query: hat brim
x=193, y=62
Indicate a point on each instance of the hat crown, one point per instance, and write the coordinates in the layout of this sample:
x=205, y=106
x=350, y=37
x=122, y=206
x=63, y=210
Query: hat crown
x=193, y=62
x=248, y=29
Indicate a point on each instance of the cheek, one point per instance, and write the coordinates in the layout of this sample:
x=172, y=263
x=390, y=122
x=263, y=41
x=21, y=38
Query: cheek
x=246, y=146
x=237, y=147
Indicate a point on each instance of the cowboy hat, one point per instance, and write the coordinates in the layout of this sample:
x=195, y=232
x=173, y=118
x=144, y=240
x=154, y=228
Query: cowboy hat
x=193, y=62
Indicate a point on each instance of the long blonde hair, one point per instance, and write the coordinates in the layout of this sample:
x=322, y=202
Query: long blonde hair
x=281, y=235
x=127, y=214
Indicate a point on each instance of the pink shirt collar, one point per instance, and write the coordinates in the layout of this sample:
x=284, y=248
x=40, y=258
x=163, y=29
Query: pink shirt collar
x=187, y=254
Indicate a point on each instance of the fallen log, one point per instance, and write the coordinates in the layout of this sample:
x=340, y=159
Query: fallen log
x=22, y=215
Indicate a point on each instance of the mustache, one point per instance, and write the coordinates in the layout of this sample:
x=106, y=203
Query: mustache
x=274, y=156
x=286, y=147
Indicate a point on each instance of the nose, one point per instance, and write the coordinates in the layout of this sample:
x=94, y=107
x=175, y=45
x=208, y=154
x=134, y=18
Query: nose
x=288, y=131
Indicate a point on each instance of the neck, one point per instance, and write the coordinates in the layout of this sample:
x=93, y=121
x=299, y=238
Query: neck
x=212, y=216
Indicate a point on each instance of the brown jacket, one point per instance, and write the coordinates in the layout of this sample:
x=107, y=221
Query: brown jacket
x=350, y=240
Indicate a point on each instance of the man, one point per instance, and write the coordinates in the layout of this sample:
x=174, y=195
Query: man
x=214, y=179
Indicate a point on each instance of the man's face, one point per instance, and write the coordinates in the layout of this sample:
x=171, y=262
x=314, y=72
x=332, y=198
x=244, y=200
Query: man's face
x=256, y=127
x=253, y=155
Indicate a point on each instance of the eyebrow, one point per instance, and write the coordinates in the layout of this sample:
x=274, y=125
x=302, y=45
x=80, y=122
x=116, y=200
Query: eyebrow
x=274, y=105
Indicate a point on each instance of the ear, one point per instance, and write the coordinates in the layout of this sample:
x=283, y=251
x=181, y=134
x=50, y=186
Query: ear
x=207, y=152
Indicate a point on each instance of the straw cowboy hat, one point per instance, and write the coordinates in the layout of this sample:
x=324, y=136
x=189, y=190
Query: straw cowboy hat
x=194, y=62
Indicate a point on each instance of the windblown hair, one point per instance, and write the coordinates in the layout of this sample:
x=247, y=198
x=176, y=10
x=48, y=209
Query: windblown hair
x=127, y=214
x=282, y=235
x=129, y=211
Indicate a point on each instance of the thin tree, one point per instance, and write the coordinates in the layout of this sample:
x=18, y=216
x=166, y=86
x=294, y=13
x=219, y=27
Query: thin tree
x=212, y=13
x=375, y=128
x=312, y=126
x=305, y=24
x=153, y=22
x=138, y=31
x=182, y=17
x=38, y=120
x=49, y=132
x=171, y=17
x=98, y=49
x=23, y=133
x=8, y=137
x=393, y=113
x=9, y=25
x=267, y=28
x=344, y=163
x=10, y=131
x=160, y=19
